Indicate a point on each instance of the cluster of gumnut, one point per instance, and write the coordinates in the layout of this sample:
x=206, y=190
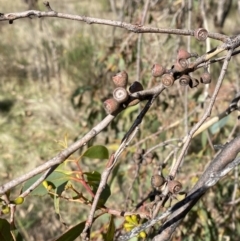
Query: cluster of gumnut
x=121, y=96
x=180, y=70
x=140, y=157
x=157, y=180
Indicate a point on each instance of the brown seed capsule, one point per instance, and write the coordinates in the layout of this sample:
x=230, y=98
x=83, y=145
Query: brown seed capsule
x=120, y=79
x=167, y=80
x=149, y=158
x=183, y=54
x=138, y=155
x=184, y=80
x=111, y=105
x=157, y=181
x=174, y=187
x=181, y=65
x=120, y=94
x=135, y=87
x=158, y=70
x=205, y=77
x=201, y=34
x=193, y=82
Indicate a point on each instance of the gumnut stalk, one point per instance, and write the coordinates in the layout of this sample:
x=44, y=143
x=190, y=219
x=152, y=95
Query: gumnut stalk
x=158, y=70
x=120, y=79
x=120, y=94
x=205, y=77
x=111, y=106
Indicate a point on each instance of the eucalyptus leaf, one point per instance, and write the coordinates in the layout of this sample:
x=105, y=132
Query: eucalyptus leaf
x=72, y=233
x=5, y=234
x=96, y=152
x=56, y=179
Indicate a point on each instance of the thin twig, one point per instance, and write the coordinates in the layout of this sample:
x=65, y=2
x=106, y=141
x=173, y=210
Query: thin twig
x=89, y=20
x=175, y=167
x=55, y=161
x=218, y=168
x=139, y=43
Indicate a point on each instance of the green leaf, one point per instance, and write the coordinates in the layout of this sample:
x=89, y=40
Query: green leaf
x=94, y=179
x=204, y=139
x=56, y=179
x=5, y=234
x=72, y=233
x=109, y=236
x=96, y=152
x=217, y=126
x=127, y=112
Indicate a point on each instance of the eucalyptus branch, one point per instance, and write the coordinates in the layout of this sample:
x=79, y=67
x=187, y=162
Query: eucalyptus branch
x=223, y=163
x=186, y=142
x=89, y=20
x=110, y=165
x=55, y=161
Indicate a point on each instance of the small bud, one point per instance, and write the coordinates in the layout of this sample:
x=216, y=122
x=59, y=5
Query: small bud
x=45, y=184
x=158, y=70
x=135, y=218
x=5, y=209
x=142, y=234
x=130, y=220
x=128, y=225
x=120, y=79
x=18, y=200
x=111, y=105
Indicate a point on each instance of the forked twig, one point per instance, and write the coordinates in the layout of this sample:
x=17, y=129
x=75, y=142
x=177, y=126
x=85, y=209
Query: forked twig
x=187, y=140
x=223, y=163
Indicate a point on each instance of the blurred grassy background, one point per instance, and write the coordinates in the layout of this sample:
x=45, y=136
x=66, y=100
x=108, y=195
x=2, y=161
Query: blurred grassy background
x=55, y=73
